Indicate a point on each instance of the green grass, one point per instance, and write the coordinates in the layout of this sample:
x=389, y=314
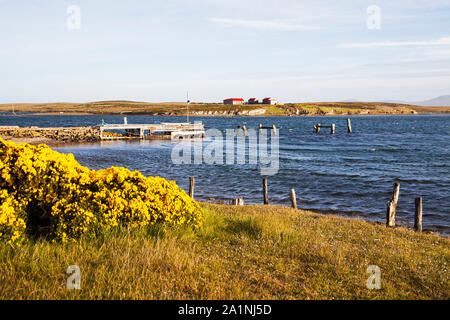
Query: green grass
x=249, y=252
x=336, y=108
x=275, y=110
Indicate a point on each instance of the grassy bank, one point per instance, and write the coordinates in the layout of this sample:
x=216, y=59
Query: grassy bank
x=219, y=109
x=250, y=252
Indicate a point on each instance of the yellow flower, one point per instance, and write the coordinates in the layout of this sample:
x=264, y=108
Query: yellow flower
x=37, y=181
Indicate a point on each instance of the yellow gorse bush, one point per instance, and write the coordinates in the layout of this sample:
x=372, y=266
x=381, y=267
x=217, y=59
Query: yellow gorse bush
x=44, y=192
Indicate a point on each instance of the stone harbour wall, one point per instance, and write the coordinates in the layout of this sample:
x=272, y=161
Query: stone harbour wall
x=72, y=134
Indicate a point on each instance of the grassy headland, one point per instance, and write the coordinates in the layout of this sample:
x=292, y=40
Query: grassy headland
x=249, y=252
x=219, y=109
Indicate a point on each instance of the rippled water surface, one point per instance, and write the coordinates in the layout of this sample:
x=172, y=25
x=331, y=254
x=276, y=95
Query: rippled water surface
x=351, y=174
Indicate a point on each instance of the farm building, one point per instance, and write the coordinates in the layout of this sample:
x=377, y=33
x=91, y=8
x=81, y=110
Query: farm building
x=233, y=101
x=253, y=101
x=269, y=101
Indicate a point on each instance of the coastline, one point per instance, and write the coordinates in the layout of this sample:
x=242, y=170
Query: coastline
x=151, y=114
x=58, y=142
x=125, y=108
x=402, y=223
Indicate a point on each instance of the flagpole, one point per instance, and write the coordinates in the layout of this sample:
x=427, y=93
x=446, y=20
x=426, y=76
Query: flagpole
x=187, y=105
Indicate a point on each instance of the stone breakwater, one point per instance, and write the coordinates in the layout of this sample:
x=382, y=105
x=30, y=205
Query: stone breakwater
x=73, y=134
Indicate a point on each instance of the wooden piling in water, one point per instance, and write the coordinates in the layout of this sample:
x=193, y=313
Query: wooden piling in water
x=396, y=192
x=265, y=191
x=191, y=186
x=333, y=128
x=245, y=130
x=274, y=128
x=418, y=215
x=349, y=125
x=260, y=128
x=293, y=199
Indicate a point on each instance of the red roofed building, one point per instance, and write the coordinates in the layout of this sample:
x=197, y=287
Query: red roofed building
x=269, y=101
x=233, y=101
x=253, y=101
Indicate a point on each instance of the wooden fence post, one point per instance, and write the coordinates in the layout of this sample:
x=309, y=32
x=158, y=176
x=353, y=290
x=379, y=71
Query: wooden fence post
x=265, y=191
x=392, y=205
x=191, y=186
x=390, y=215
x=293, y=199
x=237, y=202
x=395, y=193
x=349, y=125
x=418, y=215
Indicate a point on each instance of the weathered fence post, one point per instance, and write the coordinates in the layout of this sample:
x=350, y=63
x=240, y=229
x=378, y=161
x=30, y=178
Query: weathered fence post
x=237, y=202
x=333, y=128
x=265, y=191
x=349, y=125
x=395, y=193
x=390, y=215
x=418, y=215
x=392, y=206
x=293, y=199
x=191, y=186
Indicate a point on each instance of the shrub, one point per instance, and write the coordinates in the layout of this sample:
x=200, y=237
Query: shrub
x=43, y=192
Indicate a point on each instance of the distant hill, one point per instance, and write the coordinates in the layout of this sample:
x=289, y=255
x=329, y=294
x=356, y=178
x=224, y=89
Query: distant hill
x=396, y=101
x=219, y=109
x=381, y=101
x=442, y=101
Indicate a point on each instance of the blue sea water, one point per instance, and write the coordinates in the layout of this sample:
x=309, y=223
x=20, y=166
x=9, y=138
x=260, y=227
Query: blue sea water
x=348, y=174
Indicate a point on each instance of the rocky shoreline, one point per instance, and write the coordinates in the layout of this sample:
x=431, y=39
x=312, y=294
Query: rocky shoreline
x=35, y=135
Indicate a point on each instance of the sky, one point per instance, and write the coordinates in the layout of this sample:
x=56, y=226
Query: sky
x=156, y=51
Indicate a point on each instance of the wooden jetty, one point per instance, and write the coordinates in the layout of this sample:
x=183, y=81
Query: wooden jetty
x=164, y=130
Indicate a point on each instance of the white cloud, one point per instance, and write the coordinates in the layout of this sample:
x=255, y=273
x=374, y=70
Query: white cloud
x=261, y=24
x=437, y=42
